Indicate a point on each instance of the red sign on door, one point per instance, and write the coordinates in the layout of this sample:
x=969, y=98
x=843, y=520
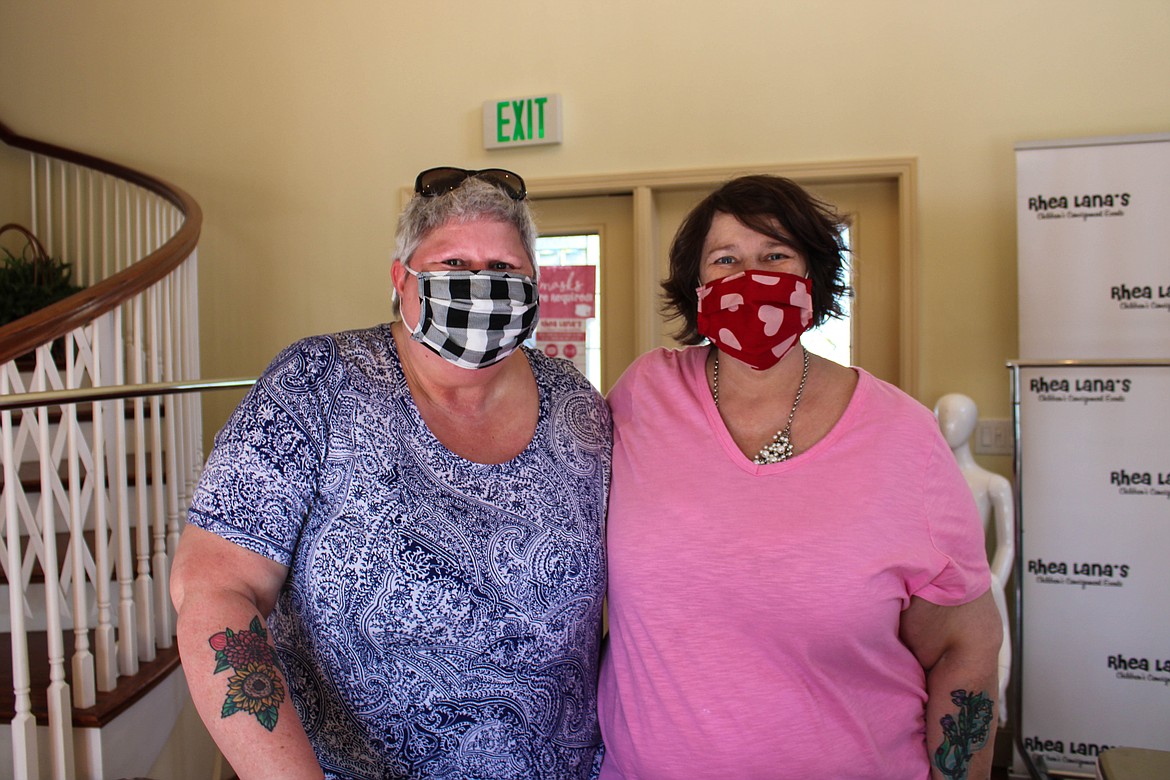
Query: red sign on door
x=566, y=301
x=567, y=291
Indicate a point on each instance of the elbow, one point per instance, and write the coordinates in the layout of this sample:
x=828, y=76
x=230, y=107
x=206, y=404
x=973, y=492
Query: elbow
x=995, y=637
x=975, y=643
x=211, y=573
x=178, y=589
x=983, y=641
x=180, y=571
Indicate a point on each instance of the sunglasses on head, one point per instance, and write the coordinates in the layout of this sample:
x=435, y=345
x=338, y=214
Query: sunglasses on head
x=437, y=181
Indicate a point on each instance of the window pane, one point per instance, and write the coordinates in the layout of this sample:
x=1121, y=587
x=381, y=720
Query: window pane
x=833, y=339
x=579, y=250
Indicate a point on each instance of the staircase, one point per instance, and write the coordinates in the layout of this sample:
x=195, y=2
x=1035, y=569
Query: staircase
x=100, y=443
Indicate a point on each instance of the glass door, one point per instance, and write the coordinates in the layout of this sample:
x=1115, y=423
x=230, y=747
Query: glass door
x=588, y=233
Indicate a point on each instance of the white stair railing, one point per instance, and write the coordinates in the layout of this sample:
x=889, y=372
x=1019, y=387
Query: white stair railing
x=84, y=497
x=95, y=485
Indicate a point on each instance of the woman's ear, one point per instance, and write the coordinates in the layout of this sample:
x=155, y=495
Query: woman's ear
x=398, y=276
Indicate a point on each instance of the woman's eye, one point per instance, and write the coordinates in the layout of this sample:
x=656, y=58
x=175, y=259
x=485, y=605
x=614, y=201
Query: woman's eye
x=454, y=262
x=499, y=266
x=777, y=257
x=725, y=260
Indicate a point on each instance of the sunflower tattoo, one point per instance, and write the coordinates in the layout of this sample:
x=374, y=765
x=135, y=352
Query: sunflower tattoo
x=255, y=686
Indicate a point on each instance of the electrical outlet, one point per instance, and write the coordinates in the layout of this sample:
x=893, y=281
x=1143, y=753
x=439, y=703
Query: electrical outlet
x=993, y=437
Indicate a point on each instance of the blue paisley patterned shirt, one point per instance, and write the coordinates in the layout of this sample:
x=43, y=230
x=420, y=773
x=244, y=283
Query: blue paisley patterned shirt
x=441, y=618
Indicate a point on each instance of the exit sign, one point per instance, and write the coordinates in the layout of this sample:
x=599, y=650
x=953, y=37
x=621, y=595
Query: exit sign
x=526, y=121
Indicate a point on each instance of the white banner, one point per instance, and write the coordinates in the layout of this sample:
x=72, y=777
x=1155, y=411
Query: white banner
x=1093, y=451
x=1094, y=467
x=1093, y=222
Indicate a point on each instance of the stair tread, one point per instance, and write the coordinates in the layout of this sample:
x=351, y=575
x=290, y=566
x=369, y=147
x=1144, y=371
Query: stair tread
x=108, y=705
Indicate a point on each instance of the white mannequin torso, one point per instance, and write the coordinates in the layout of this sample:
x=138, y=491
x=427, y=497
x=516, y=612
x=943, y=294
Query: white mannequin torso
x=993, y=496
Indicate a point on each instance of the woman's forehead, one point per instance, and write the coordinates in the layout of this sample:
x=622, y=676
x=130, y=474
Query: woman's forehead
x=473, y=240
x=730, y=228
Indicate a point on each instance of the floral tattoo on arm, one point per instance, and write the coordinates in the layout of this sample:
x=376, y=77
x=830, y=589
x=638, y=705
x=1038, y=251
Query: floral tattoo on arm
x=255, y=685
x=964, y=733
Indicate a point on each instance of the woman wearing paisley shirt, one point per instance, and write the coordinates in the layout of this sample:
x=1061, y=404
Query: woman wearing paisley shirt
x=393, y=565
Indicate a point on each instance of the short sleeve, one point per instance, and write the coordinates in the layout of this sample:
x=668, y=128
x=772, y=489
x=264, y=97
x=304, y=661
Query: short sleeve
x=261, y=476
x=956, y=532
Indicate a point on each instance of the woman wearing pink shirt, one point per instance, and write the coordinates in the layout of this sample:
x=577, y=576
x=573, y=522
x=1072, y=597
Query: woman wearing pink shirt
x=798, y=586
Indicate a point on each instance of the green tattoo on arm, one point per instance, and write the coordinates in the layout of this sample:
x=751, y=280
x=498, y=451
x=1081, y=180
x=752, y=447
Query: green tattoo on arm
x=255, y=685
x=963, y=733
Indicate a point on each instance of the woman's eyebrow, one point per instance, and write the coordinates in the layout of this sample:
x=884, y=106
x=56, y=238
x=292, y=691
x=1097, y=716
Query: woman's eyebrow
x=721, y=248
x=782, y=241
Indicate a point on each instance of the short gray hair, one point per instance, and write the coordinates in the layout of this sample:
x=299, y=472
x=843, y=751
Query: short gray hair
x=474, y=199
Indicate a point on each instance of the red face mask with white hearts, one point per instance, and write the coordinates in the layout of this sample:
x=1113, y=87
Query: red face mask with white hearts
x=755, y=316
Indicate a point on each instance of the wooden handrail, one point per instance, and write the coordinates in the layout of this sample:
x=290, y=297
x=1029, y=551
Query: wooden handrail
x=26, y=334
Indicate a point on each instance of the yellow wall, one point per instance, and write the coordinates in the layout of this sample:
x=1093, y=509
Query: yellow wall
x=294, y=124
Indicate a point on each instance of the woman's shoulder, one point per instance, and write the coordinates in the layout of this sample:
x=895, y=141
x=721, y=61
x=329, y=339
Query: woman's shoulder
x=659, y=379
x=662, y=364
x=885, y=401
x=373, y=343
x=561, y=383
x=560, y=372
x=303, y=364
x=314, y=369
x=569, y=398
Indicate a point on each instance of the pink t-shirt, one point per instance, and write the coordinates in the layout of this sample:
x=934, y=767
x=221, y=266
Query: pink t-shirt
x=754, y=610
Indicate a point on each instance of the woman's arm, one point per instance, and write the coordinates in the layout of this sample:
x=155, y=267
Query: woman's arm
x=223, y=593
x=958, y=648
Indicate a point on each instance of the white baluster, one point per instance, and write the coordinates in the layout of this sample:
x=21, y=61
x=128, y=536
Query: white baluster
x=48, y=204
x=34, y=190
x=62, y=209
x=105, y=646
x=109, y=231
x=60, y=713
x=171, y=410
x=191, y=322
x=84, y=686
x=25, y=758
x=162, y=611
x=90, y=266
x=143, y=583
x=127, y=619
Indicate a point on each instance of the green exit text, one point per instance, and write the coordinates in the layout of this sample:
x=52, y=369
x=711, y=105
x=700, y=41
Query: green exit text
x=520, y=120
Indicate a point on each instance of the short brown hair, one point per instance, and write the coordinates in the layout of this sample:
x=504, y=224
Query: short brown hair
x=758, y=202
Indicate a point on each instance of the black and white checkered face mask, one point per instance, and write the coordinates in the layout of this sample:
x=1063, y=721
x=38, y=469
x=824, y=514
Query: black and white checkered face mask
x=474, y=318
